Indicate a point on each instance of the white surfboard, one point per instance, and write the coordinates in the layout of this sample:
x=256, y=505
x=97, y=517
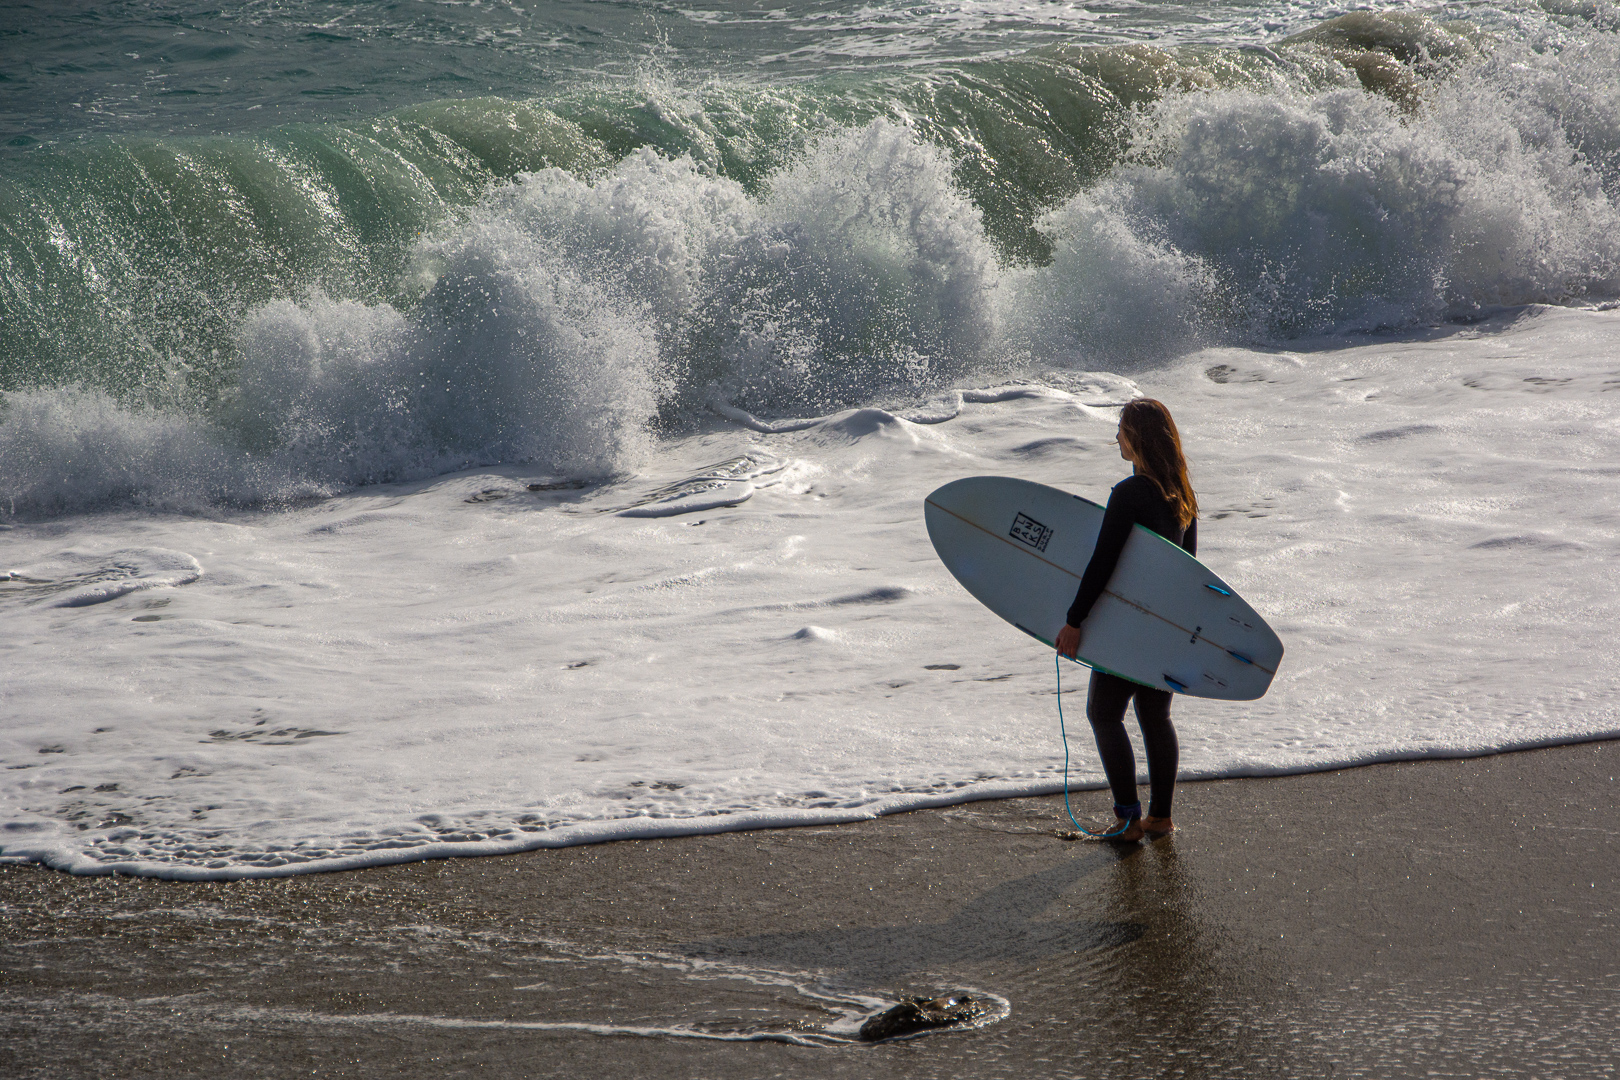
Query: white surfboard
x=1165, y=620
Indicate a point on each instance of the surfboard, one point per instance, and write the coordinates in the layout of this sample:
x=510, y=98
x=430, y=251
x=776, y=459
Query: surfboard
x=1166, y=620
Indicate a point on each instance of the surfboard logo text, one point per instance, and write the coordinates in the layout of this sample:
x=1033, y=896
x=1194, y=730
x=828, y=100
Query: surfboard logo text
x=1027, y=530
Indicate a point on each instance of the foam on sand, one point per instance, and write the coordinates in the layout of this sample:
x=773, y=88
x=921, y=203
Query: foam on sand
x=406, y=505
x=412, y=670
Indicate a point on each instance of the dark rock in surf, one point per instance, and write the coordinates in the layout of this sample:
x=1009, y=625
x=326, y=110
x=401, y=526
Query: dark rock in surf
x=922, y=1014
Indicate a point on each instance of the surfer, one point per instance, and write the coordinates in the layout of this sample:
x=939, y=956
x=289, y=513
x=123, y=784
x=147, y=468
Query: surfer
x=1158, y=496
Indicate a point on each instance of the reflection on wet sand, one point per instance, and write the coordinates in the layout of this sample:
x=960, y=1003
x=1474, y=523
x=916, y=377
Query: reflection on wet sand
x=1304, y=926
x=1185, y=998
x=1118, y=948
x=1009, y=922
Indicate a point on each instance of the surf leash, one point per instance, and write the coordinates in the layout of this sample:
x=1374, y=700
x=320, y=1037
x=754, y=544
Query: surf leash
x=1058, y=659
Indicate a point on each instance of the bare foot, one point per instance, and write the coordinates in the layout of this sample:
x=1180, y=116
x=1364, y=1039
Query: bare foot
x=1157, y=827
x=1120, y=832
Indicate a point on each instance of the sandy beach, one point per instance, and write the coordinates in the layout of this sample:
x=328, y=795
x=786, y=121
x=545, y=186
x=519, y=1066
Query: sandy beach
x=1441, y=918
x=449, y=451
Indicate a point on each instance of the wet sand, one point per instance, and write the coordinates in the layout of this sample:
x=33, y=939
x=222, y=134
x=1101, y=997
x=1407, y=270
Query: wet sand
x=1444, y=918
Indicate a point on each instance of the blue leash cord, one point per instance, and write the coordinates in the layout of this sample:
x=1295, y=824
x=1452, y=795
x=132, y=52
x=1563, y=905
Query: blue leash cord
x=1058, y=659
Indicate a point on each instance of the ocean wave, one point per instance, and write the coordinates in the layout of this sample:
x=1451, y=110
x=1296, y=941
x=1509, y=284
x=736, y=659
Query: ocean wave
x=1280, y=215
x=129, y=260
x=252, y=320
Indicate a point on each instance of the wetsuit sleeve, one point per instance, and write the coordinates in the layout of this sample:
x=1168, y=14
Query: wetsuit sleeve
x=1189, y=539
x=1116, y=529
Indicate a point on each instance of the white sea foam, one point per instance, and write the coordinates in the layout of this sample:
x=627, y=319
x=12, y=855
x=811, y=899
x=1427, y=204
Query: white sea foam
x=716, y=608
x=463, y=666
x=511, y=357
x=71, y=579
x=872, y=273
x=566, y=316
x=557, y=318
x=1284, y=213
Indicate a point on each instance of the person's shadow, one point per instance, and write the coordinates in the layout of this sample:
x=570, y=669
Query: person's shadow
x=1002, y=924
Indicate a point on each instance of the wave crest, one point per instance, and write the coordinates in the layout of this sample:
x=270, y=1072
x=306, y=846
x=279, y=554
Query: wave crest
x=1275, y=215
x=561, y=318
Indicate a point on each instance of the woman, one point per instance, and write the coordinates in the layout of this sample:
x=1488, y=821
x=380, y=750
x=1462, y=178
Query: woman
x=1157, y=495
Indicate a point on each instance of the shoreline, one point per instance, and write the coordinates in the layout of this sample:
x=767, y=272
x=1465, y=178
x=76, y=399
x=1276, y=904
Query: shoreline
x=573, y=640
x=1379, y=920
x=630, y=829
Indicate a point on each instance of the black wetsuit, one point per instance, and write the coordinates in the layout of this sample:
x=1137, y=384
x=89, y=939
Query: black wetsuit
x=1136, y=500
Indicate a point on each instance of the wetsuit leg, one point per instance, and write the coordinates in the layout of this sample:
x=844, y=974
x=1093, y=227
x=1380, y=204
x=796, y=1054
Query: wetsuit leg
x=1105, y=708
x=1163, y=751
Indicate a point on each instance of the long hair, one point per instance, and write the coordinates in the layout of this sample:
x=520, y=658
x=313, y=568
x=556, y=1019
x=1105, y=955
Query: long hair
x=1147, y=426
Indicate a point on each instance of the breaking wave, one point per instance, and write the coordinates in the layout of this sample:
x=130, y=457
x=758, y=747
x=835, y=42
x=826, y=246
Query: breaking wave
x=249, y=321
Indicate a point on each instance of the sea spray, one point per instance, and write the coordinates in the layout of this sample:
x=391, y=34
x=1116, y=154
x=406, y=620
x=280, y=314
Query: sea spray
x=510, y=356
x=869, y=273
x=858, y=269
x=251, y=321
x=1267, y=216
x=69, y=449
x=130, y=259
x=1115, y=292
x=558, y=316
